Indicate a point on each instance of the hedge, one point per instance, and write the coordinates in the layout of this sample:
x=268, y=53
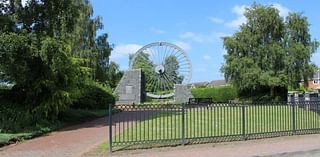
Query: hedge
x=94, y=96
x=218, y=94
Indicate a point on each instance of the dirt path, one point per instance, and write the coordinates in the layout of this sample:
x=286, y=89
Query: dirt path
x=68, y=142
x=291, y=146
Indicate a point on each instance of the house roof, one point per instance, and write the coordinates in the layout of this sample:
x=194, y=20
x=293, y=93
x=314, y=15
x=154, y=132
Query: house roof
x=200, y=83
x=211, y=83
x=218, y=83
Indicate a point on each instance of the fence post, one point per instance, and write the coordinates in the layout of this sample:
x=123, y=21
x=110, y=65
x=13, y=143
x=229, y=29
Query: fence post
x=183, y=125
x=243, y=108
x=293, y=118
x=110, y=128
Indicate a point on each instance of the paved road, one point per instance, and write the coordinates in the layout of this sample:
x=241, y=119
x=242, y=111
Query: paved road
x=68, y=142
x=310, y=153
x=292, y=146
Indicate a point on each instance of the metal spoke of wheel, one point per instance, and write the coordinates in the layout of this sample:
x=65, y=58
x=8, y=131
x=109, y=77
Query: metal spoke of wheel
x=169, y=63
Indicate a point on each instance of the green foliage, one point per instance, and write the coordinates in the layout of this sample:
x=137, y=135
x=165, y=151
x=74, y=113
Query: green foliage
x=94, y=96
x=171, y=66
x=218, y=94
x=48, y=49
x=113, y=74
x=13, y=118
x=162, y=82
x=301, y=88
x=17, y=125
x=43, y=73
x=16, y=118
x=143, y=61
x=269, y=53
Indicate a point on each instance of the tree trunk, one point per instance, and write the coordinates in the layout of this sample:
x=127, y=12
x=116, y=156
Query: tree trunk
x=272, y=91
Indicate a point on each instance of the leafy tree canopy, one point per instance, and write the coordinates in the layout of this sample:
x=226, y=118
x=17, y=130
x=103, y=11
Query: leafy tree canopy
x=48, y=48
x=269, y=52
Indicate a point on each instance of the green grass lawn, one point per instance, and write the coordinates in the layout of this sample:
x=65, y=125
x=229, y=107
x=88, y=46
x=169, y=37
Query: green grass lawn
x=218, y=121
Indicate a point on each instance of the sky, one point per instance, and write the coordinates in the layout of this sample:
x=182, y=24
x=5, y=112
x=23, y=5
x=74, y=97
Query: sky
x=194, y=25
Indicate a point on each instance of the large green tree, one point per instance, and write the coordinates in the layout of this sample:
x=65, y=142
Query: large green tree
x=35, y=53
x=268, y=53
x=299, y=49
x=44, y=47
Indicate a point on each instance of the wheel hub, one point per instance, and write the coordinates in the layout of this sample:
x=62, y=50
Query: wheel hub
x=159, y=69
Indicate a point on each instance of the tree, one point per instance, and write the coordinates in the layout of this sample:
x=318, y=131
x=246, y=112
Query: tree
x=300, y=48
x=262, y=55
x=171, y=67
x=41, y=51
x=44, y=78
x=114, y=74
x=158, y=81
x=143, y=61
x=102, y=59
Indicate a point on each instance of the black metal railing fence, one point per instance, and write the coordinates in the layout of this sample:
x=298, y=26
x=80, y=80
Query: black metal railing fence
x=160, y=124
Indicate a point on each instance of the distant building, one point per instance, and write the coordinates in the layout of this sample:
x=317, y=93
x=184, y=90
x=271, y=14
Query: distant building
x=208, y=84
x=199, y=84
x=314, y=83
x=217, y=83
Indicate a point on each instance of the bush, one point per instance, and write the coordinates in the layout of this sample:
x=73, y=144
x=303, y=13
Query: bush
x=13, y=119
x=17, y=118
x=43, y=73
x=218, y=94
x=93, y=96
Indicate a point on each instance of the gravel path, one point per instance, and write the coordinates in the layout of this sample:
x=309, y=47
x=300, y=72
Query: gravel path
x=68, y=142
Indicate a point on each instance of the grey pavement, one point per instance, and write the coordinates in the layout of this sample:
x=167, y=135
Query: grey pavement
x=290, y=146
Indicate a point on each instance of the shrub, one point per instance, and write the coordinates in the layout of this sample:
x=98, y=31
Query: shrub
x=17, y=118
x=218, y=94
x=93, y=96
x=43, y=74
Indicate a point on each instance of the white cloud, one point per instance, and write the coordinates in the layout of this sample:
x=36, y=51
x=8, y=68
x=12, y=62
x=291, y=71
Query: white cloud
x=219, y=35
x=284, y=11
x=216, y=20
x=24, y=2
x=203, y=38
x=224, y=51
x=207, y=57
x=157, y=31
x=241, y=19
x=5, y=3
x=237, y=22
x=185, y=46
x=238, y=10
x=193, y=36
x=123, y=50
